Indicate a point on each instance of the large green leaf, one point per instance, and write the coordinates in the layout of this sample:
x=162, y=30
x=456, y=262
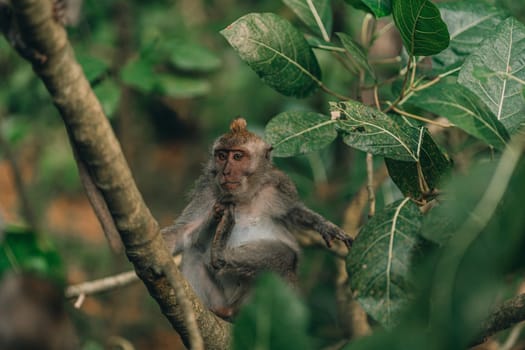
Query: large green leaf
x=469, y=22
x=276, y=51
x=93, y=67
x=370, y=130
x=502, y=53
x=190, y=56
x=292, y=133
x=486, y=243
x=108, y=93
x=182, y=87
x=274, y=319
x=434, y=164
x=423, y=31
x=356, y=52
x=22, y=249
x=379, y=8
x=139, y=74
x=316, y=14
x=465, y=110
x=379, y=263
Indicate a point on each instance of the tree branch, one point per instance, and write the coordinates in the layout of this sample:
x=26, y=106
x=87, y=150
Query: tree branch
x=99, y=149
x=509, y=313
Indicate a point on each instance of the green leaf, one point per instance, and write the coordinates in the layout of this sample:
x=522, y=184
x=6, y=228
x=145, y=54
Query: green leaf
x=469, y=22
x=108, y=93
x=23, y=250
x=379, y=263
x=370, y=130
x=485, y=244
x=139, y=74
x=181, y=87
x=465, y=110
x=316, y=14
x=190, y=56
x=423, y=31
x=276, y=51
x=356, y=52
x=434, y=165
x=93, y=67
x=293, y=133
x=379, y=8
x=503, y=54
x=274, y=319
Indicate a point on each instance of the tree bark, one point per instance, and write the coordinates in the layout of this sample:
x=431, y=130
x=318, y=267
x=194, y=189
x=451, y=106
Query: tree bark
x=98, y=148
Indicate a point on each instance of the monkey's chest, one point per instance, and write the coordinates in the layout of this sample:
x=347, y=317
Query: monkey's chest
x=250, y=228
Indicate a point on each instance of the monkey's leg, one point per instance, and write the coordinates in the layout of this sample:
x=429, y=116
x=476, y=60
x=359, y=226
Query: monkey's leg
x=308, y=219
x=248, y=260
x=222, y=235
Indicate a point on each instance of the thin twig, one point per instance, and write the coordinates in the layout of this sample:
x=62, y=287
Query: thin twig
x=513, y=337
x=370, y=184
x=97, y=202
x=101, y=285
x=353, y=212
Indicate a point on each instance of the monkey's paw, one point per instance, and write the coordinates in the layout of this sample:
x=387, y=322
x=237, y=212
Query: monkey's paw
x=218, y=211
x=336, y=233
x=217, y=264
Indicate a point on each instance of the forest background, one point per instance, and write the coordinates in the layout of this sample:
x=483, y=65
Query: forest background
x=170, y=83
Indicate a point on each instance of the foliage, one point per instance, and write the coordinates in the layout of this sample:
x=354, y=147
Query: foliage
x=22, y=250
x=462, y=60
x=274, y=318
x=406, y=254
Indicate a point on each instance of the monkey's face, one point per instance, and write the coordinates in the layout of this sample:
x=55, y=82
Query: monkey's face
x=233, y=167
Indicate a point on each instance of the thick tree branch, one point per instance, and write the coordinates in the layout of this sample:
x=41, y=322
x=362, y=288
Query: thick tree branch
x=506, y=315
x=99, y=149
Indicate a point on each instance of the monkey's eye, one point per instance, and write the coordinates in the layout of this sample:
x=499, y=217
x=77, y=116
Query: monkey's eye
x=238, y=155
x=222, y=155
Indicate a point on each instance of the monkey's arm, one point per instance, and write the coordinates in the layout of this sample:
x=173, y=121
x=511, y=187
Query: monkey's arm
x=194, y=219
x=301, y=216
x=296, y=215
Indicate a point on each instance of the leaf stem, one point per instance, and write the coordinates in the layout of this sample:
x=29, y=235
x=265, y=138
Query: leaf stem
x=318, y=20
x=331, y=92
x=423, y=119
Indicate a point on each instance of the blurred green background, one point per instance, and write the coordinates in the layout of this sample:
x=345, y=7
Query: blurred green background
x=169, y=84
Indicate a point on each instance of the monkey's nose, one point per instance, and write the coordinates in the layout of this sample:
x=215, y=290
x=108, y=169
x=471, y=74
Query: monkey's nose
x=226, y=170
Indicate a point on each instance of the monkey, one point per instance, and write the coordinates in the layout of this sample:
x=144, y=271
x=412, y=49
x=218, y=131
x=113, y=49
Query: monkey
x=240, y=222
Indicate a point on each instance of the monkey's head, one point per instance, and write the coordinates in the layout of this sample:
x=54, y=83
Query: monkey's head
x=240, y=159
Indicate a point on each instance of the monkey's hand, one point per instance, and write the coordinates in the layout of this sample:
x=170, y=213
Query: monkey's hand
x=307, y=219
x=218, y=211
x=224, y=216
x=329, y=232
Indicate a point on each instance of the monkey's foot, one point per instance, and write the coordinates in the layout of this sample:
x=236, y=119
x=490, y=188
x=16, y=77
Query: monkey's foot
x=225, y=313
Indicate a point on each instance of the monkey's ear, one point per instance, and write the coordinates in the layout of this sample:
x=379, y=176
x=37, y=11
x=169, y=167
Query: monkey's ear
x=268, y=151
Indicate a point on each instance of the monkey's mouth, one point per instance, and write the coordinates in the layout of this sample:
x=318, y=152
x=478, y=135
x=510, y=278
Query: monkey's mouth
x=230, y=185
